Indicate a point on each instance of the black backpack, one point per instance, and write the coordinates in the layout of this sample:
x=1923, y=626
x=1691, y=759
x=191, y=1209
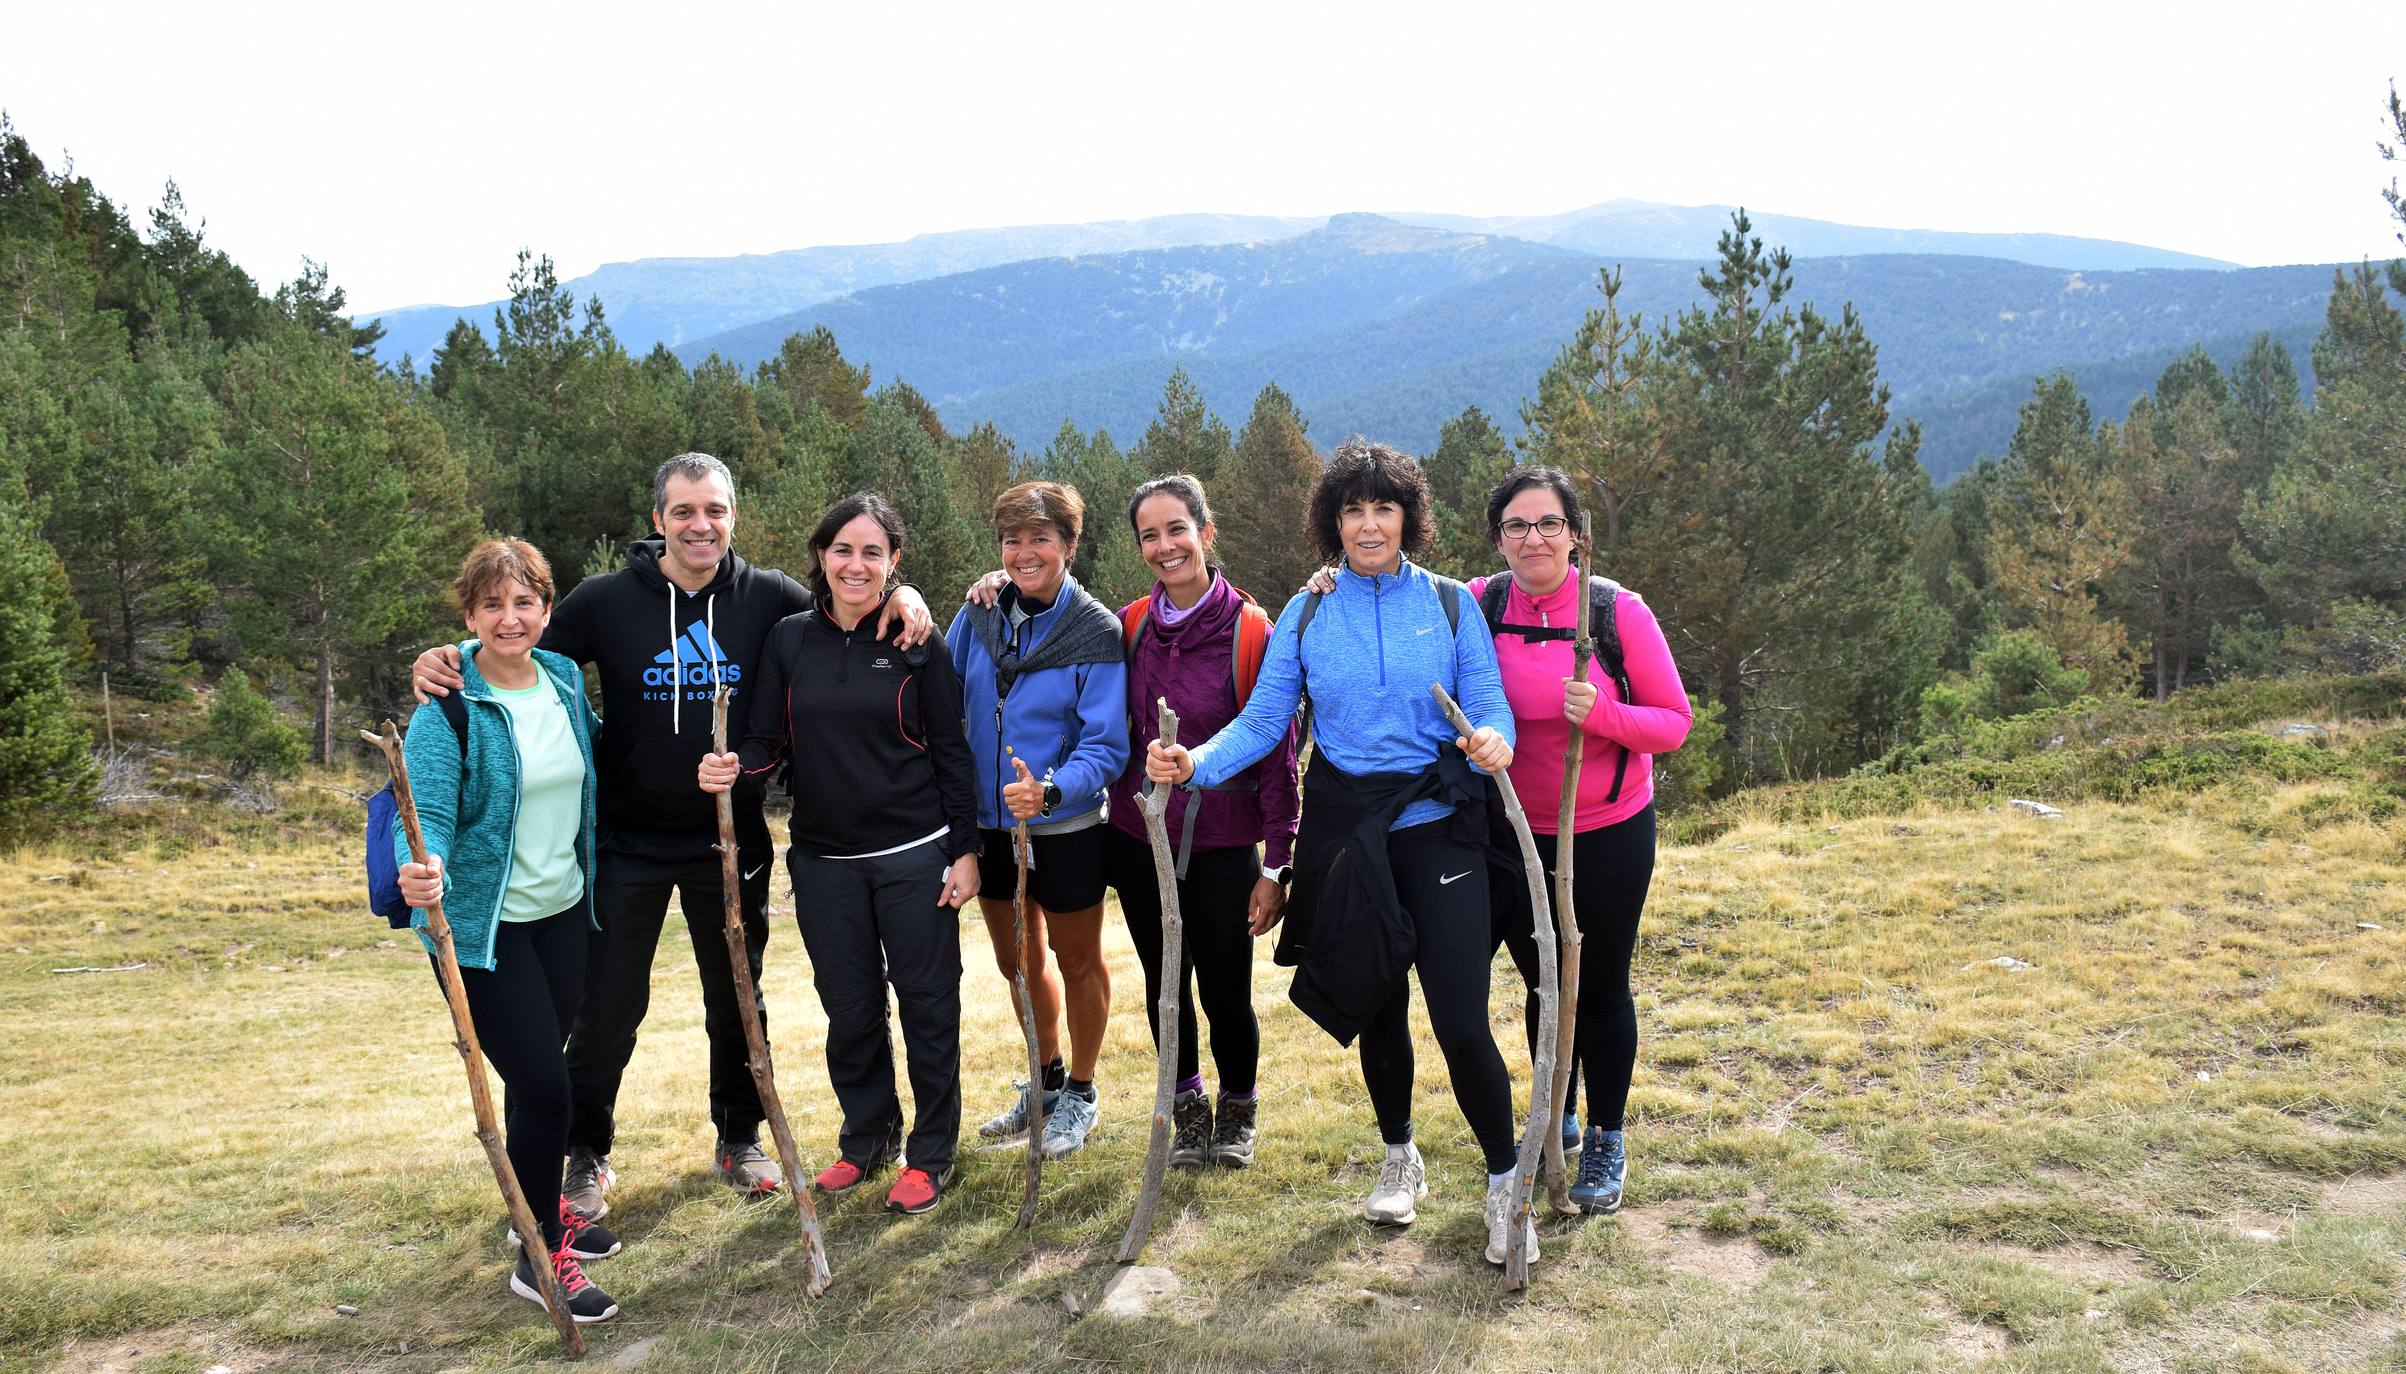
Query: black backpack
x=1605, y=631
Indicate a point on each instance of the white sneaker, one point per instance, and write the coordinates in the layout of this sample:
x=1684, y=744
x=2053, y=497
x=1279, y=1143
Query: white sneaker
x=1502, y=1204
x=1402, y=1181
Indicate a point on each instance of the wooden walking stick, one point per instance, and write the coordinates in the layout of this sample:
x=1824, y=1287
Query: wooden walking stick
x=1173, y=982
x=463, y=1026
x=747, y=1000
x=1541, y=1081
x=1558, y=1188
x=1027, y=1021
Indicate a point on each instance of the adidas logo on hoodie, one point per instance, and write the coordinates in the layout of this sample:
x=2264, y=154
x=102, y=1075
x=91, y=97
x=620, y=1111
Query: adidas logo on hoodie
x=687, y=662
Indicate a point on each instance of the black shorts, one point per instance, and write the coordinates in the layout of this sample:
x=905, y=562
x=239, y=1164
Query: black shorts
x=1067, y=874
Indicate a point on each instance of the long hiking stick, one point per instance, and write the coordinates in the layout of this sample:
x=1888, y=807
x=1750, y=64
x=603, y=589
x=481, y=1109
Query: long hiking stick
x=1558, y=1191
x=463, y=1026
x=747, y=1001
x=1027, y=1028
x=1541, y=1080
x=1173, y=983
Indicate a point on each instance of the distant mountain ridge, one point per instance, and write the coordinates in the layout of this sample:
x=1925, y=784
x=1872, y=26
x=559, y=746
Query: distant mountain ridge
x=678, y=300
x=1389, y=329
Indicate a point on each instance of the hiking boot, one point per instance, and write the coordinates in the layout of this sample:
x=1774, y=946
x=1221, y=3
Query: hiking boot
x=1570, y=1133
x=1603, y=1166
x=746, y=1169
x=1503, y=1213
x=587, y=1240
x=1191, y=1147
x=589, y=1178
x=1012, y=1123
x=916, y=1191
x=1402, y=1182
x=1067, y=1122
x=1232, y=1132
x=583, y=1297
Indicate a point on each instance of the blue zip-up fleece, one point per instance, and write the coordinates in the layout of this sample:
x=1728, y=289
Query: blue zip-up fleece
x=1376, y=644
x=1071, y=719
x=468, y=810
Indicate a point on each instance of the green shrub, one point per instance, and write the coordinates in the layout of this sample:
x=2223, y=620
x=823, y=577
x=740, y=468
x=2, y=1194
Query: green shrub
x=46, y=768
x=245, y=735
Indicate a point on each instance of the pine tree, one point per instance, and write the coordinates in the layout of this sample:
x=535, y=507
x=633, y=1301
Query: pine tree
x=244, y=734
x=811, y=370
x=1107, y=564
x=46, y=770
x=1472, y=455
x=1772, y=544
x=1184, y=436
x=2059, y=527
x=1259, y=498
x=1591, y=417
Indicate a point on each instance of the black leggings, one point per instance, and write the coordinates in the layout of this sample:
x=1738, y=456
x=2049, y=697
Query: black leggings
x=1611, y=868
x=523, y=1008
x=1443, y=884
x=1218, y=947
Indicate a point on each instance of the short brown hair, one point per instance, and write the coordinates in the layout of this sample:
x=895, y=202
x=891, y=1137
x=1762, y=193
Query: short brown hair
x=1040, y=503
x=499, y=562
x=1363, y=471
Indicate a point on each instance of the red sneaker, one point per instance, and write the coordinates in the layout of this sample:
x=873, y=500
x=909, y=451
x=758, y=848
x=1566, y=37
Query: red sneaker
x=916, y=1191
x=839, y=1178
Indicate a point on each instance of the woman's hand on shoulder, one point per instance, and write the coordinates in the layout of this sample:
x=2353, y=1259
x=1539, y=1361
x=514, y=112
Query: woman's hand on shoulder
x=1323, y=580
x=910, y=608
x=986, y=591
x=719, y=771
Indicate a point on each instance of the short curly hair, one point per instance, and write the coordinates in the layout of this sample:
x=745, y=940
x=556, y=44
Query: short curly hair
x=1363, y=471
x=497, y=563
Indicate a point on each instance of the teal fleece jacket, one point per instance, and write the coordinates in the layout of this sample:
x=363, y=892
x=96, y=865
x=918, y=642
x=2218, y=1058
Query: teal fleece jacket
x=468, y=809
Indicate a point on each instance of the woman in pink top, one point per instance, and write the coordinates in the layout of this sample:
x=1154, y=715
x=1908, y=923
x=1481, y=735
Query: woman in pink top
x=1532, y=515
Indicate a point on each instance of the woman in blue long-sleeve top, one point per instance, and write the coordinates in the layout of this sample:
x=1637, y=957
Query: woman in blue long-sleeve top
x=1390, y=867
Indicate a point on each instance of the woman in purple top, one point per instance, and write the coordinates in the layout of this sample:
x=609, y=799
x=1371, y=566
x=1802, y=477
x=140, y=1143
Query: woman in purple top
x=1183, y=645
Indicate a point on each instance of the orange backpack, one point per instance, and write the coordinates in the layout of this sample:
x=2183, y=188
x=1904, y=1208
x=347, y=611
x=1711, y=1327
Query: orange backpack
x=1252, y=639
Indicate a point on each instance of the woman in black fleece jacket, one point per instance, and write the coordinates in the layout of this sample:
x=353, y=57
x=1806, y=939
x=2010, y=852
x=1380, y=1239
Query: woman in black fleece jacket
x=884, y=842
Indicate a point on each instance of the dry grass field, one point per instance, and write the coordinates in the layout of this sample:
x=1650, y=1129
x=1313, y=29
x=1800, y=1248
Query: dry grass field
x=2175, y=1142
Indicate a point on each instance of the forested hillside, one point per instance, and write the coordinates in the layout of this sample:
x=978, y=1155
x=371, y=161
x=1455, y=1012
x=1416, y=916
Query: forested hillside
x=1387, y=329
x=206, y=484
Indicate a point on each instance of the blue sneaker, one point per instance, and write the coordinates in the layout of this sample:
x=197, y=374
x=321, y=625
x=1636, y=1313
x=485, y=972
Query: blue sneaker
x=1570, y=1133
x=1603, y=1165
x=1067, y=1121
x=1012, y=1122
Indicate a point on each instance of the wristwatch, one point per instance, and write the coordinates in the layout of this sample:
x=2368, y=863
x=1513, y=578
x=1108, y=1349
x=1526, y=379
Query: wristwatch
x=1278, y=874
x=1052, y=797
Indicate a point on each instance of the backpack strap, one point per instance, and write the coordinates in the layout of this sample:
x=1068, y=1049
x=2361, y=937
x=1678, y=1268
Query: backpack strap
x=1252, y=644
x=455, y=711
x=1133, y=615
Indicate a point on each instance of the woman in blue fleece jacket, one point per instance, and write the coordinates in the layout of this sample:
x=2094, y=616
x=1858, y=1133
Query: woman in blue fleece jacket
x=507, y=816
x=1390, y=865
x=1044, y=699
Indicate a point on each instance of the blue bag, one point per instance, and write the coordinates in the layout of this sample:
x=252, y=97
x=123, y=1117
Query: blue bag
x=384, y=875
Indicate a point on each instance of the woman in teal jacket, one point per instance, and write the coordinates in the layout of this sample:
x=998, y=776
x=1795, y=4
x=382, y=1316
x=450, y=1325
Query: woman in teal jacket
x=507, y=814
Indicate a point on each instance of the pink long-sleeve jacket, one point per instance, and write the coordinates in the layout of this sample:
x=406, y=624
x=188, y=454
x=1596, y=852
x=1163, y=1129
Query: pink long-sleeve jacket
x=1654, y=722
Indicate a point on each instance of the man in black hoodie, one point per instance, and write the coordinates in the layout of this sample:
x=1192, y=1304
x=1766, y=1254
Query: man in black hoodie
x=684, y=614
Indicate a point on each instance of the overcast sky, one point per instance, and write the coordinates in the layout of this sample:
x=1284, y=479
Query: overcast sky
x=415, y=148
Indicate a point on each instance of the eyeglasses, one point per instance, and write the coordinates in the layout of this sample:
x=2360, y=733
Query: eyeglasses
x=1551, y=527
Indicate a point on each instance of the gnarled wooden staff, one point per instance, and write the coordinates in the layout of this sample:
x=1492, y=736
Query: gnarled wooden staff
x=1583, y=647
x=1173, y=982
x=1541, y=1082
x=747, y=1001
x=1027, y=1021
x=480, y=1092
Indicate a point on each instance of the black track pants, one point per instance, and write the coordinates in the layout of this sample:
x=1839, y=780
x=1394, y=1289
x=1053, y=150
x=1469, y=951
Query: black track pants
x=868, y=923
x=523, y=1006
x=1443, y=884
x=1611, y=869
x=1218, y=946
x=632, y=892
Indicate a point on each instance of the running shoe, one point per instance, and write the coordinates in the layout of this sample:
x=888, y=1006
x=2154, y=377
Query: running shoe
x=1402, y=1182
